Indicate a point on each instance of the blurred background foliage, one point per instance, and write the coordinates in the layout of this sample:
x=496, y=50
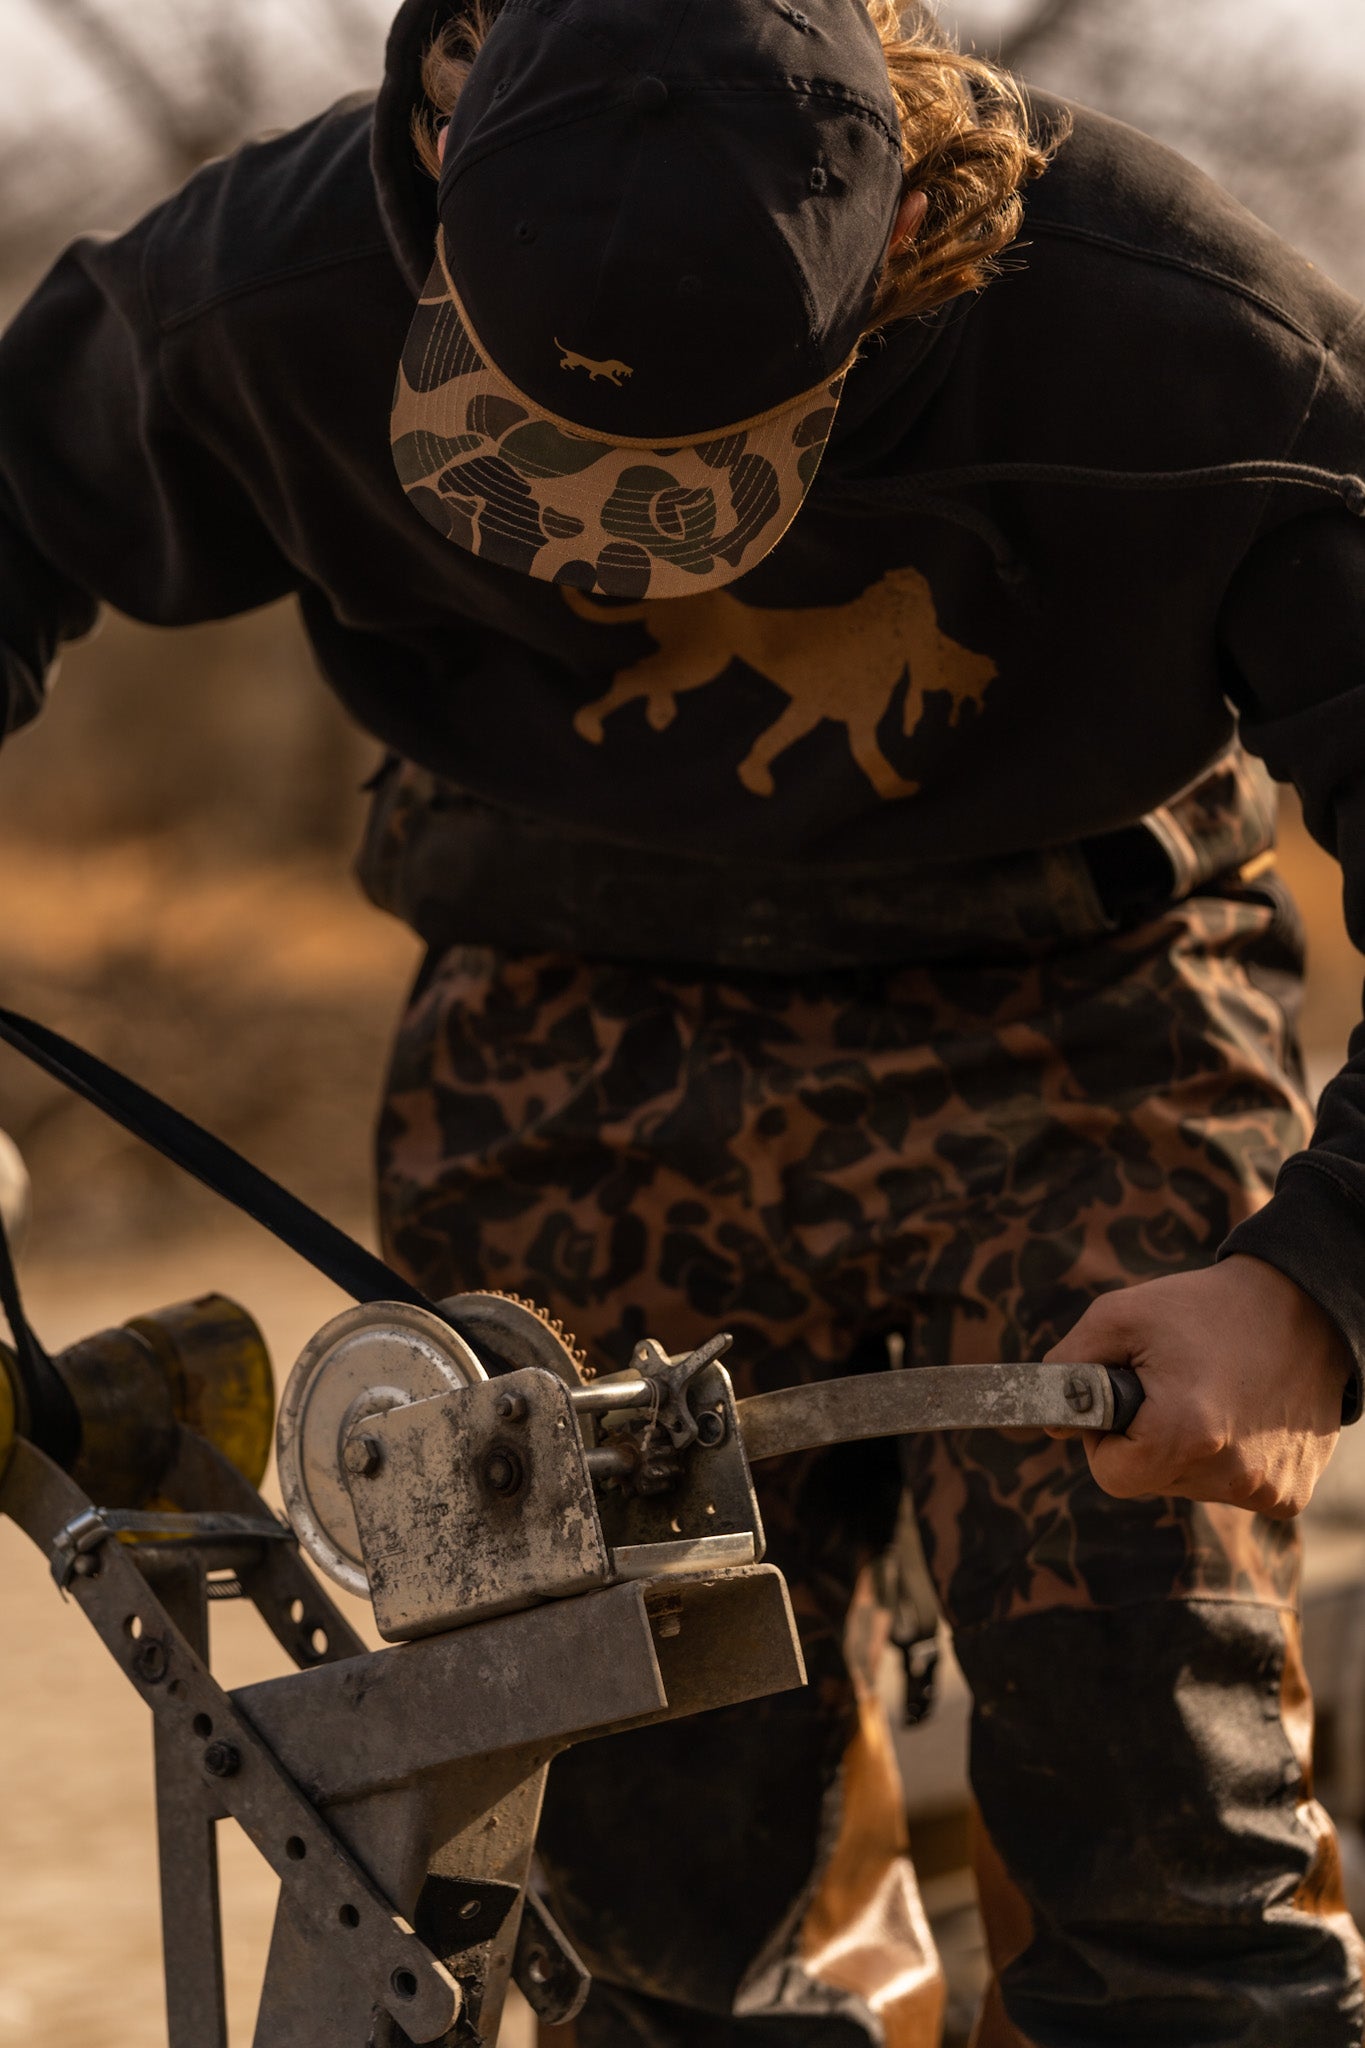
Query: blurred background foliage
x=175, y=832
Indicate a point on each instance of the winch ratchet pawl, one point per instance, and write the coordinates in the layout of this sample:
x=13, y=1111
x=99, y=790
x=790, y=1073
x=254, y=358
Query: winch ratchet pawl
x=908, y=1402
x=324, y=1887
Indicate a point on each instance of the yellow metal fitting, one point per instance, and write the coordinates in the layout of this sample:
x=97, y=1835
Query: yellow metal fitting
x=218, y=1369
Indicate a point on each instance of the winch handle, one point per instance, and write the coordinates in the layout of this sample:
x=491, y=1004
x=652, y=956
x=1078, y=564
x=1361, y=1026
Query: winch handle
x=1129, y=1395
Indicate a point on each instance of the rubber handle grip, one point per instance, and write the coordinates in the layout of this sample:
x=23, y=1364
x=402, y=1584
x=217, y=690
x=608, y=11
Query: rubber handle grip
x=1129, y=1395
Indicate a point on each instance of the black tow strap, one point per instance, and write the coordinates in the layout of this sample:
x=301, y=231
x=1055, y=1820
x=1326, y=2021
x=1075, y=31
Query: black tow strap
x=354, y=1270
x=51, y=1421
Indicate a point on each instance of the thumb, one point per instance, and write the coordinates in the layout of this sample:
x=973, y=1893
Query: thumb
x=1103, y=1335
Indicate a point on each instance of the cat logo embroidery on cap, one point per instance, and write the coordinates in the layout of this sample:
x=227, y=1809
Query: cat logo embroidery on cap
x=613, y=371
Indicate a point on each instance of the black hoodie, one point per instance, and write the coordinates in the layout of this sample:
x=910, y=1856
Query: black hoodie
x=1111, y=507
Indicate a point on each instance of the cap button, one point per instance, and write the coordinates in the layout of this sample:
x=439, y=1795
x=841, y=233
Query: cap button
x=650, y=95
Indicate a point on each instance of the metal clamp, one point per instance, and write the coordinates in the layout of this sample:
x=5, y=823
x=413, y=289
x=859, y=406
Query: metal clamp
x=76, y=1546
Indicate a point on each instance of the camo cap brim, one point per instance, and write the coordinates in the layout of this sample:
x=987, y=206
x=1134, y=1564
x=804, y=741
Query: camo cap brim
x=517, y=485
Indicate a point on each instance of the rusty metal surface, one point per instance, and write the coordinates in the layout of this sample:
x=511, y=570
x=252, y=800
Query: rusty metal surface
x=876, y=1404
x=471, y=1831
x=508, y=1333
x=326, y=1891
x=526, y=1679
x=548, y=1968
x=475, y=1503
x=721, y=1640
x=304, y=1620
x=711, y=1494
x=187, y=1837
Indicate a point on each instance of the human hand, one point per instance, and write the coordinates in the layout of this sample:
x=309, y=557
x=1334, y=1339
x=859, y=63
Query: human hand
x=1243, y=1374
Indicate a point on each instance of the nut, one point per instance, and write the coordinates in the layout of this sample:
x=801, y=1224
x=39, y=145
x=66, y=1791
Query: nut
x=510, y=1408
x=362, y=1456
x=222, y=1760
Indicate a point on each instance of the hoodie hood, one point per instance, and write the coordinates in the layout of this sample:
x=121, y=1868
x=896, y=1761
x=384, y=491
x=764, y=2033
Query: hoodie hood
x=406, y=195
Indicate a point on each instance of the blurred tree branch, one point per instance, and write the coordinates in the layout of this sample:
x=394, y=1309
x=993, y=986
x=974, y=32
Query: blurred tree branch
x=1047, y=18
x=188, y=132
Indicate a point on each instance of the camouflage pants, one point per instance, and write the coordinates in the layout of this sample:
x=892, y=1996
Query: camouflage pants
x=966, y=1156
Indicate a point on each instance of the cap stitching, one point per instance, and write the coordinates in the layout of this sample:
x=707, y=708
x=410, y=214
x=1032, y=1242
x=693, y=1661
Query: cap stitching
x=529, y=129
x=814, y=87
x=556, y=16
x=808, y=88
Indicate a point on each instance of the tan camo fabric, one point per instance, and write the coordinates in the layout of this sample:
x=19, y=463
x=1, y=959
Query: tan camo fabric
x=964, y=1155
x=964, y=1158
x=518, y=486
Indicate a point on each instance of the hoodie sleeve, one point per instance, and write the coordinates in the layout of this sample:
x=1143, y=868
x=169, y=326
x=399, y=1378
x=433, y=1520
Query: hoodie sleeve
x=106, y=494
x=1293, y=635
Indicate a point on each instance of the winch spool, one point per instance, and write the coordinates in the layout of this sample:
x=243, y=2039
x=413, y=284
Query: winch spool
x=387, y=1355
x=366, y=1361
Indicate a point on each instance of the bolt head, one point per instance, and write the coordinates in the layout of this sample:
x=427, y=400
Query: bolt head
x=222, y=1760
x=149, y=1660
x=362, y=1456
x=502, y=1472
x=1080, y=1395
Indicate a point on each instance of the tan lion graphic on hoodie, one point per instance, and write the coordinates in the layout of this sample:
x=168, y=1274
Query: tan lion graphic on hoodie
x=837, y=662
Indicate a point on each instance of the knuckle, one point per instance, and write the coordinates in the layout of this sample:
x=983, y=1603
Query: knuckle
x=1202, y=1436
x=1109, y=1311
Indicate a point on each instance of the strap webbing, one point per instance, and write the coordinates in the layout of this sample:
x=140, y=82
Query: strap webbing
x=354, y=1270
x=52, y=1422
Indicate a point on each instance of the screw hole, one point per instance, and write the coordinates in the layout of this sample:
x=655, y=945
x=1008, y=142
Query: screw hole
x=348, y=1916
x=296, y=1610
x=470, y=1910
x=132, y=1626
x=177, y=1688
x=202, y=1726
x=317, y=1642
x=404, y=1983
x=296, y=1848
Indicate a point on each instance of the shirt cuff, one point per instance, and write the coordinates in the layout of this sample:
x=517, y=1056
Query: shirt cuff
x=1313, y=1231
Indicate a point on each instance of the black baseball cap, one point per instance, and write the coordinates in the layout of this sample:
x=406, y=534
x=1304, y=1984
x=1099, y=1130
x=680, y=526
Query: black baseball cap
x=661, y=228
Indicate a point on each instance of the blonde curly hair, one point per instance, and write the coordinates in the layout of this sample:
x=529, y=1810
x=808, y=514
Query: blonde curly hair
x=967, y=142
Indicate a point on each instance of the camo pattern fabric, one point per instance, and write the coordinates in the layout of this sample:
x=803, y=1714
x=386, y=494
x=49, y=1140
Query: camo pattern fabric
x=963, y=1156
x=519, y=486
